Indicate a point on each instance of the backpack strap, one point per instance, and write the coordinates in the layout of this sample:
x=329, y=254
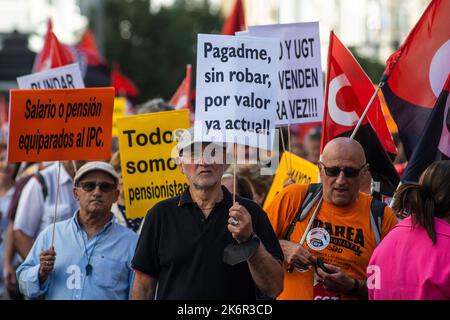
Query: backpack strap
x=376, y=218
x=40, y=178
x=312, y=195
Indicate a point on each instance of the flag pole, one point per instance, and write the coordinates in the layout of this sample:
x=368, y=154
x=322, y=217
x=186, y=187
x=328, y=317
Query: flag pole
x=56, y=204
x=380, y=85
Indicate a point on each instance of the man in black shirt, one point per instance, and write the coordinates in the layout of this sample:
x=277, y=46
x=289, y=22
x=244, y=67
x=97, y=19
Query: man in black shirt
x=200, y=245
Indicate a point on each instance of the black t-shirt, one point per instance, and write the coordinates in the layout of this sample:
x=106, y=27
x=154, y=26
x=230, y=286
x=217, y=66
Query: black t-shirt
x=184, y=251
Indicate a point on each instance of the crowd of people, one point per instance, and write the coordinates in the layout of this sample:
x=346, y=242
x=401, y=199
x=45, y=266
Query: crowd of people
x=327, y=241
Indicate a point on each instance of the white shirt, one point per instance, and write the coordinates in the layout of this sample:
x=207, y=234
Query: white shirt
x=33, y=213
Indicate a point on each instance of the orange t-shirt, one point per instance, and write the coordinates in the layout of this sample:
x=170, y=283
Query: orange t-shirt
x=344, y=237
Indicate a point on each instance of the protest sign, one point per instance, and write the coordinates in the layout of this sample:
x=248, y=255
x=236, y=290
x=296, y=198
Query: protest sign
x=60, y=124
x=300, y=80
x=149, y=172
x=302, y=172
x=120, y=105
x=65, y=77
x=236, y=90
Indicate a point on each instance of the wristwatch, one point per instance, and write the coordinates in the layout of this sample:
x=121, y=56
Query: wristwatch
x=235, y=253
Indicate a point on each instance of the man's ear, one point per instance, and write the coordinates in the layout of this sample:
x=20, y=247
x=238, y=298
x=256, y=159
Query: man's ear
x=320, y=171
x=180, y=165
x=116, y=196
x=75, y=193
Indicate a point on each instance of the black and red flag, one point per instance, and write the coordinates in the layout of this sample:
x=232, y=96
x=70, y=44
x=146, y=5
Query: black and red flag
x=347, y=93
x=417, y=72
x=434, y=142
x=124, y=86
x=95, y=70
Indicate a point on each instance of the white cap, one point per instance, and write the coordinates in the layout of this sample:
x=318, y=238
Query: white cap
x=96, y=166
x=187, y=139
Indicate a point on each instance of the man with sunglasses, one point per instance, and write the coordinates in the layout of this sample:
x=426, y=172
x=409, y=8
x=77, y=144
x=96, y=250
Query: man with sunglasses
x=91, y=254
x=332, y=262
x=201, y=245
x=36, y=207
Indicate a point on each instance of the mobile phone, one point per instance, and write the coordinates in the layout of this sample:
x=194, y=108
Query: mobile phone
x=321, y=265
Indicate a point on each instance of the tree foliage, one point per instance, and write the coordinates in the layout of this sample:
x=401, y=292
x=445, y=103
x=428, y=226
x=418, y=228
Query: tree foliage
x=373, y=68
x=153, y=48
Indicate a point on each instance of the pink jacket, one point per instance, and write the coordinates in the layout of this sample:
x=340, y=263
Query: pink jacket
x=407, y=266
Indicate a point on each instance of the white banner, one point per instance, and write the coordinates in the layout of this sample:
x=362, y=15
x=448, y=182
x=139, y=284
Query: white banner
x=300, y=99
x=236, y=90
x=65, y=77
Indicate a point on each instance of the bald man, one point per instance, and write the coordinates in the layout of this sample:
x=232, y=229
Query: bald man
x=331, y=264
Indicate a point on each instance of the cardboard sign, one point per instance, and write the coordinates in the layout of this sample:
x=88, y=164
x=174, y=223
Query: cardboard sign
x=300, y=71
x=236, y=90
x=303, y=172
x=120, y=106
x=60, y=124
x=65, y=77
x=149, y=172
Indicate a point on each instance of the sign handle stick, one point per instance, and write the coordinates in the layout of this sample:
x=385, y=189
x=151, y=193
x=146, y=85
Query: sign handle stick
x=234, y=172
x=56, y=203
x=289, y=148
x=284, y=151
x=74, y=166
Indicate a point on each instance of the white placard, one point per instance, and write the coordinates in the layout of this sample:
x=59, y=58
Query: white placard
x=300, y=99
x=65, y=77
x=236, y=90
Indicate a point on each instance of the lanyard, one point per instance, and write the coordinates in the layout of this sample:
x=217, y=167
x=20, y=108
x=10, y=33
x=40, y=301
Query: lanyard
x=88, y=267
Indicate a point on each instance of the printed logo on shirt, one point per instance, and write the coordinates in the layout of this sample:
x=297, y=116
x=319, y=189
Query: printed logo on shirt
x=342, y=237
x=74, y=279
x=318, y=239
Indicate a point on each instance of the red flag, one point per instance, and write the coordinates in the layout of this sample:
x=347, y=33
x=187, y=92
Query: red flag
x=88, y=46
x=417, y=72
x=181, y=98
x=124, y=86
x=348, y=90
x=53, y=54
x=235, y=21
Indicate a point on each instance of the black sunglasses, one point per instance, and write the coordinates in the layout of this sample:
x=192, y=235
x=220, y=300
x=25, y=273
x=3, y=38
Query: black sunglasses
x=349, y=172
x=88, y=186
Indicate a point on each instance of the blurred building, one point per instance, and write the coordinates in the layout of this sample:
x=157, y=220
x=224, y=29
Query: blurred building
x=374, y=27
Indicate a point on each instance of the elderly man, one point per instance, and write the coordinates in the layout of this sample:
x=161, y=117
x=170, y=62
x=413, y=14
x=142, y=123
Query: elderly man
x=36, y=207
x=341, y=234
x=201, y=245
x=91, y=256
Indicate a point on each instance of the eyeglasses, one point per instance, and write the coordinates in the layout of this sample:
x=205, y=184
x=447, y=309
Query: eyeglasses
x=88, y=186
x=349, y=172
x=210, y=157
